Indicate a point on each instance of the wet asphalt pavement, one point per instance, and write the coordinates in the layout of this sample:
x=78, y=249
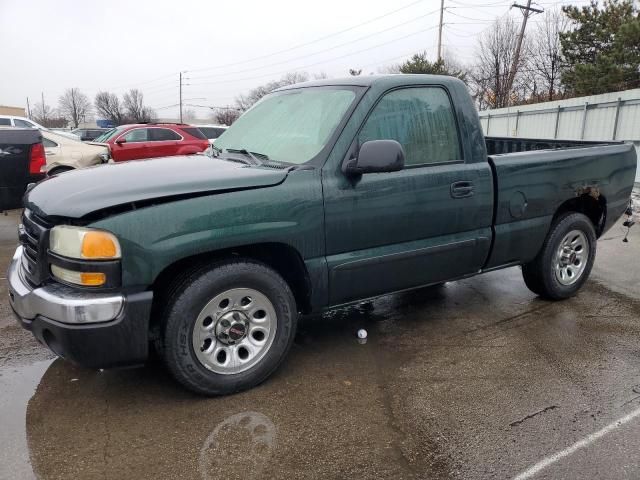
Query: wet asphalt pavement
x=475, y=379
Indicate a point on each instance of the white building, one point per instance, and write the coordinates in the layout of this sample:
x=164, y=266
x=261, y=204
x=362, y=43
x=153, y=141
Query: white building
x=611, y=116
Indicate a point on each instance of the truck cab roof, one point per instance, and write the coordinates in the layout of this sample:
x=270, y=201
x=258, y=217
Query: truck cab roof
x=385, y=81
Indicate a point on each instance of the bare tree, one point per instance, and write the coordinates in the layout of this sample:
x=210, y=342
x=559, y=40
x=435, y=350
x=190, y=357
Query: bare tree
x=545, y=54
x=495, y=54
x=244, y=102
x=225, y=116
x=74, y=106
x=134, y=107
x=188, y=114
x=41, y=113
x=320, y=76
x=108, y=106
x=391, y=68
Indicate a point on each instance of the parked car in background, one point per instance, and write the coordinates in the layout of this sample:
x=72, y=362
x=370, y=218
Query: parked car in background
x=149, y=140
x=212, y=131
x=22, y=161
x=22, y=122
x=64, y=154
x=89, y=134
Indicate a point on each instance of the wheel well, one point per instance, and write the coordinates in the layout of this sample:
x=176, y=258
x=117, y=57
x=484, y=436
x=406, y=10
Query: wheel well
x=595, y=208
x=283, y=258
x=59, y=169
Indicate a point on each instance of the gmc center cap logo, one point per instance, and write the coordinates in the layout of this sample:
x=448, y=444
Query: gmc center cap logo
x=237, y=331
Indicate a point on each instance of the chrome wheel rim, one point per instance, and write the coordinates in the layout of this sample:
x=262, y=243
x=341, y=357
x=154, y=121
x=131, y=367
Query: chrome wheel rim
x=571, y=257
x=234, y=331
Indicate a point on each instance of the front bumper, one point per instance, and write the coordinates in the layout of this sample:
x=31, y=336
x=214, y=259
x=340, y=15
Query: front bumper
x=95, y=330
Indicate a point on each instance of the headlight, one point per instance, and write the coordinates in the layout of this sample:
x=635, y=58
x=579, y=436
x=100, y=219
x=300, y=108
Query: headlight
x=84, y=243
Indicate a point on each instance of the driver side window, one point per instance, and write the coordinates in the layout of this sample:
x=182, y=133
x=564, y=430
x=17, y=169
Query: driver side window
x=137, y=135
x=421, y=119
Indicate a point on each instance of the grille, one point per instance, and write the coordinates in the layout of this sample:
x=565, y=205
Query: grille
x=34, y=236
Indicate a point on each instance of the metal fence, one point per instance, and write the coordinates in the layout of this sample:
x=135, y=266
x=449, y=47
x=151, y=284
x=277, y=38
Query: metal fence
x=611, y=116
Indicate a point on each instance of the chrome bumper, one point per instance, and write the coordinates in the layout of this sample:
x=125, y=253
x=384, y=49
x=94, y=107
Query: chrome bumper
x=59, y=302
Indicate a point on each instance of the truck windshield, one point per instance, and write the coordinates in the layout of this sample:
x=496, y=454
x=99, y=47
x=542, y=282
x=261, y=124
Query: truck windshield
x=291, y=126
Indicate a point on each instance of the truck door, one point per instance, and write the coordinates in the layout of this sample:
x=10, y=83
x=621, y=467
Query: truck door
x=428, y=223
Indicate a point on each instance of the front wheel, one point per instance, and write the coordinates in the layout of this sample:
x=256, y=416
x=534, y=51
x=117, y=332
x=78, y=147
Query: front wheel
x=565, y=260
x=228, y=327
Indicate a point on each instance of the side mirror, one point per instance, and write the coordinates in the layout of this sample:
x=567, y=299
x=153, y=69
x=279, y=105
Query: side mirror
x=376, y=156
x=120, y=141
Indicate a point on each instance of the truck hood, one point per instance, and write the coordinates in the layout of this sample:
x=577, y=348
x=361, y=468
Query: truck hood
x=132, y=184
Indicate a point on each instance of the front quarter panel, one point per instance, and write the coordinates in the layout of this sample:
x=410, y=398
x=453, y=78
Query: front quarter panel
x=155, y=237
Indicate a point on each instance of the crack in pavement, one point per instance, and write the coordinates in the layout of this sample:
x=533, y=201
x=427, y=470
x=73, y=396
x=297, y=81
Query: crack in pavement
x=522, y=420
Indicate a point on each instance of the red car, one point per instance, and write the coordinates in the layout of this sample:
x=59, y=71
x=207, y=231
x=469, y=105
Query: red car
x=148, y=140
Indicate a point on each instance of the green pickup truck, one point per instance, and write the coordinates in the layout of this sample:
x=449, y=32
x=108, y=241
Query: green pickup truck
x=322, y=194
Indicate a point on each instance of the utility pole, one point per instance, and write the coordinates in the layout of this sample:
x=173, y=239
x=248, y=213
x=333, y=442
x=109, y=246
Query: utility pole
x=44, y=110
x=440, y=31
x=180, y=97
x=526, y=12
x=28, y=109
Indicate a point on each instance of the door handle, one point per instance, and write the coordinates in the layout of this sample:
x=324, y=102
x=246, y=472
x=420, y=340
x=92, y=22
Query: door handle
x=462, y=189
x=49, y=154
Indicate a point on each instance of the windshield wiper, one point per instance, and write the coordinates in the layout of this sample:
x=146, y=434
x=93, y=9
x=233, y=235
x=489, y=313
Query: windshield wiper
x=251, y=155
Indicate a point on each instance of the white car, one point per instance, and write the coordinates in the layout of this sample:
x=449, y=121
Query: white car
x=22, y=122
x=64, y=154
x=212, y=131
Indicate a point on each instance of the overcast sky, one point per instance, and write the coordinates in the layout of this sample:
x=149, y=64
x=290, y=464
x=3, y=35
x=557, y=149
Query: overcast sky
x=226, y=48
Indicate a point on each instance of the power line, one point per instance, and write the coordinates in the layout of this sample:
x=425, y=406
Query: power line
x=353, y=27
x=139, y=83
x=319, y=51
x=295, y=47
x=320, y=62
x=213, y=107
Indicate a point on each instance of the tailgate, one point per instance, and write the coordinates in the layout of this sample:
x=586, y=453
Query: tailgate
x=15, y=152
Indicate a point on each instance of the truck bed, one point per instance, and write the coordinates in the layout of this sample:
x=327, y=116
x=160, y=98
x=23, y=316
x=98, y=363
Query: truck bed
x=531, y=186
x=501, y=145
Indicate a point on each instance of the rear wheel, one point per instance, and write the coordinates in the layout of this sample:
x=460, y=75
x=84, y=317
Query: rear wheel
x=226, y=328
x=565, y=260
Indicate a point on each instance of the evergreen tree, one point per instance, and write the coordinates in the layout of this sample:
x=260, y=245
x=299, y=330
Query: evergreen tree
x=602, y=50
x=419, y=63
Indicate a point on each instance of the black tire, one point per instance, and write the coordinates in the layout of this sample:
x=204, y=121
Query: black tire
x=540, y=274
x=186, y=299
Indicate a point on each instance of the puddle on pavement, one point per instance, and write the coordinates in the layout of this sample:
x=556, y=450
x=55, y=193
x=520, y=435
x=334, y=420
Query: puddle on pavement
x=240, y=446
x=17, y=386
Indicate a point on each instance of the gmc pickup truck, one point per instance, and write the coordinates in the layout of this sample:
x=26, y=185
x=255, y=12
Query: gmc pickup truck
x=322, y=194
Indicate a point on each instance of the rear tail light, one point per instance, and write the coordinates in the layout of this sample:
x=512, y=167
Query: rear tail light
x=38, y=160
